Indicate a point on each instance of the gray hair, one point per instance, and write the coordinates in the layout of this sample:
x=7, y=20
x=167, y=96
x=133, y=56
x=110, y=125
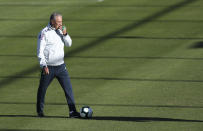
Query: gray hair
x=53, y=16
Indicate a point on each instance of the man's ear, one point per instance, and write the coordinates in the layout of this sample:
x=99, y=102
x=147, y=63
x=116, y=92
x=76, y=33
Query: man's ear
x=52, y=22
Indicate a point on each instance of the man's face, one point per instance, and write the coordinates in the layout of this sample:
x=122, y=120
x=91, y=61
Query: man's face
x=57, y=23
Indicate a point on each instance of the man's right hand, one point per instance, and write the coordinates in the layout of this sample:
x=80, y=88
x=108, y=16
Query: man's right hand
x=46, y=70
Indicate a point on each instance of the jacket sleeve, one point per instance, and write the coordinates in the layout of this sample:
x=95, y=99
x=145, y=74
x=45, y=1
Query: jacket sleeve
x=67, y=40
x=40, y=49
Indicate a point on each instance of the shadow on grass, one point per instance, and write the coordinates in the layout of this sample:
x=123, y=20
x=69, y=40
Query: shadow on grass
x=141, y=119
x=110, y=105
x=108, y=78
x=197, y=45
x=110, y=57
x=98, y=20
x=114, y=118
x=30, y=130
x=34, y=116
x=110, y=37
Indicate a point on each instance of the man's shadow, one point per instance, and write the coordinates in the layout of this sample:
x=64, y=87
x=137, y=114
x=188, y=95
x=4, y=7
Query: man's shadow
x=114, y=118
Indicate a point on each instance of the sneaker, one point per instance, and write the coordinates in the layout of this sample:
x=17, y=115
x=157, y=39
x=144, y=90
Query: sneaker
x=74, y=114
x=41, y=114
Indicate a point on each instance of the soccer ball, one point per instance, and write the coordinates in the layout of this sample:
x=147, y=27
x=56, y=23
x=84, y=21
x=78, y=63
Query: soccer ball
x=86, y=112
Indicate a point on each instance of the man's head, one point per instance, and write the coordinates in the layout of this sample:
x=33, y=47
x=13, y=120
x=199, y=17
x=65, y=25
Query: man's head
x=56, y=20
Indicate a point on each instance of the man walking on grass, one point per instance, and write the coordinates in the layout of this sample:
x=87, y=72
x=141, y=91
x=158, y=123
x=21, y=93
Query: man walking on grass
x=50, y=52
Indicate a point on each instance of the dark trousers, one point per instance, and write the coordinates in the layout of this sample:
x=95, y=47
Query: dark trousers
x=61, y=74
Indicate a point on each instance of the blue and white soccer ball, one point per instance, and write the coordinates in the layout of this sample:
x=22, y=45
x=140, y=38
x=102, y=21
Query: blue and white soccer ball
x=86, y=112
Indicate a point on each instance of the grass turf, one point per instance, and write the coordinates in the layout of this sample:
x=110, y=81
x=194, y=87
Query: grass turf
x=137, y=63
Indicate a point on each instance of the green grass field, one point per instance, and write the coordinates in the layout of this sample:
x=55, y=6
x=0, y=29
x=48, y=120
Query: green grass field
x=137, y=63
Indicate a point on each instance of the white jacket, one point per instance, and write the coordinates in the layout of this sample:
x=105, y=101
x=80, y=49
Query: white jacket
x=50, y=46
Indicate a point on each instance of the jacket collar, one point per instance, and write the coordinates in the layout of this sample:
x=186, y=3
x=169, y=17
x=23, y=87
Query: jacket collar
x=50, y=27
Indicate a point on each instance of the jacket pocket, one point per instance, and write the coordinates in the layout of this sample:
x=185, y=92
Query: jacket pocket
x=49, y=54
